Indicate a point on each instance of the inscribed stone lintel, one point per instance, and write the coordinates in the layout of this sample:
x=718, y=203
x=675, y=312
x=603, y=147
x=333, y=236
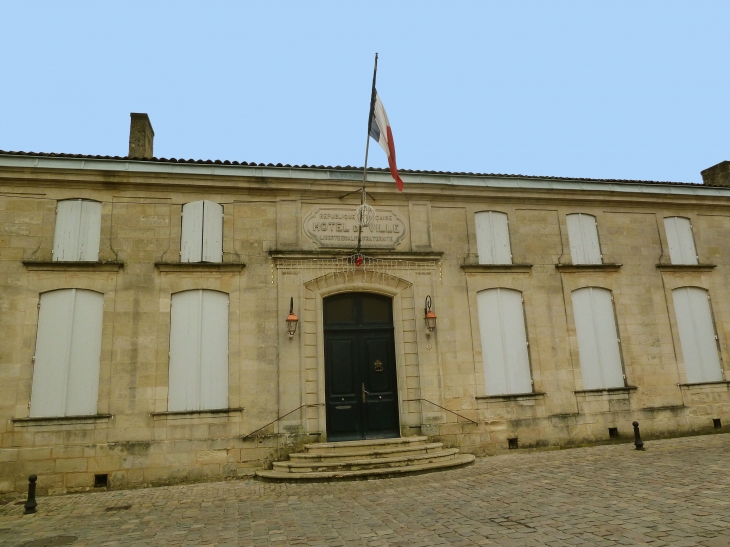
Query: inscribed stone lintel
x=337, y=227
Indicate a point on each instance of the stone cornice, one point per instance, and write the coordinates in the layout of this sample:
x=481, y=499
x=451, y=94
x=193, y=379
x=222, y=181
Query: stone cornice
x=335, y=175
x=430, y=256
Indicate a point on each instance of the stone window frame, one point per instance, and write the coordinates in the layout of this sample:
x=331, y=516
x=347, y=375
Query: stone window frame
x=524, y=285
x=40, y=282
x=603, y=280
x=701, y=280
x=230, y=283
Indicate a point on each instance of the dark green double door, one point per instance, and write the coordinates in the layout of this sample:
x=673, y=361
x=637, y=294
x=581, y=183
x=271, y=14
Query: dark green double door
x=360, y=375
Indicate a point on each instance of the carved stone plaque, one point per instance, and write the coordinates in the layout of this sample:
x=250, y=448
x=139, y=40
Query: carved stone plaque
x=333, y=226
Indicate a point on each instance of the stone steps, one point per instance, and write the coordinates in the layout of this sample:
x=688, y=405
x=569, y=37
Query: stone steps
x=365, y=463
x=375, y=453
x=366, y=459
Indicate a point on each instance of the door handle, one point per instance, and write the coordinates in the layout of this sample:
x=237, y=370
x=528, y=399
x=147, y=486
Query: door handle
x=364, y=394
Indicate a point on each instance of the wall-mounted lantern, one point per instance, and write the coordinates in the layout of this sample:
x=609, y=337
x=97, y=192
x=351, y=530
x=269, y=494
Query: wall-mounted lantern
x=429, y=316
x=292, y=320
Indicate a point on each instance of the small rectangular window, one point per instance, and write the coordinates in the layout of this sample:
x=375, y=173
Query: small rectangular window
x=78, y=230
x=67, y=353
x=583, y=236
x=198, y=351
x=680, y=240
x=493, y=238
x=202, y=232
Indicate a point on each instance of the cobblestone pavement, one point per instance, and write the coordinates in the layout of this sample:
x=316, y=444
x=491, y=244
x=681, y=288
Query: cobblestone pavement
x=675, y=493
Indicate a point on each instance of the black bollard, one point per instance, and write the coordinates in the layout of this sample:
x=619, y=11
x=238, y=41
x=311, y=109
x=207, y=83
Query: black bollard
x=31, y=504
x=637, y=437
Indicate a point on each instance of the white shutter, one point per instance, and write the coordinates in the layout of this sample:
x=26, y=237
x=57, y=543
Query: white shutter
x=68, y=351
x=66, y=235
x=78, y=229
x=198, y=351
x=598, y=346
x=504, y=342
x=493, y=238
x=89, y=231
x=185, y=327
x=583, y=236
x=85, y=356
x=214, y=353
x=212, y=232
x=681, y=241
x=191, y=240
x=697, y=335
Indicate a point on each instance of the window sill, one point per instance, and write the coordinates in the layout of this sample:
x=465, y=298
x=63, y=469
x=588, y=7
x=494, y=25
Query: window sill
x=60, y=420
x=200, y=266
x=496, y=268
x=510, y=396
x=44, y=266
x=625, y=389
x=191, y=413
x=699, y=384
x=686, y=267
x=588, y=267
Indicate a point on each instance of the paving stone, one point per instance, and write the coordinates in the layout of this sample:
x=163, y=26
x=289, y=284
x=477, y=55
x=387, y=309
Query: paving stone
x=676, y=494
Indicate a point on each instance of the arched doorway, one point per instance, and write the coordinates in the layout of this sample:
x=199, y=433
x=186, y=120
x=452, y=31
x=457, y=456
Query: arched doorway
x=359, y=358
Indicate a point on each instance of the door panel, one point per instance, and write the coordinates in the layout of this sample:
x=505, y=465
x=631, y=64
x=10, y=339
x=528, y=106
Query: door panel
x=360, y=375
x=379, y=376
x=343, y=388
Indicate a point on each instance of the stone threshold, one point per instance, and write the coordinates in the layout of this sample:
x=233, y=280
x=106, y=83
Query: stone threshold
x=44, y=265
x=44, y=420
x=199, y=266
x=496, y=268
x=192, y=413
x=570, y=268
x=686, y=267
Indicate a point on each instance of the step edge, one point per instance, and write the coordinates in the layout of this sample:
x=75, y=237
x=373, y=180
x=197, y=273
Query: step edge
x=414, y=457
x=464, y=459
x=306, y=455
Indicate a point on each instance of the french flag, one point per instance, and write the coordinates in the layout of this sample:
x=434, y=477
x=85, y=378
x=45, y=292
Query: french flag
x=380, y=131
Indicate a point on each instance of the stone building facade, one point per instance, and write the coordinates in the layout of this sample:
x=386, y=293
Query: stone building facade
x=523, y=352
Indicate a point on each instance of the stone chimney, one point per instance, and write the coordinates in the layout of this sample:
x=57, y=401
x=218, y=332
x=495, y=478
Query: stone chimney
x=717, y=175
x=141, y=136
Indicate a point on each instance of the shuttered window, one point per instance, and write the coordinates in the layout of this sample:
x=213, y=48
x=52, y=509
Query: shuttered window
x=67, y=353
x=598, y=342
x=697, y=335
x=681, y=241
x=493, y=238
x=78, y=229
x=198, y=351
x=583, y=236
x=504, y=342
x=202, y=232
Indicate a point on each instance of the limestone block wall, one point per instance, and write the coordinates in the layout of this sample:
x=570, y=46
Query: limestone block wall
x=134, y=440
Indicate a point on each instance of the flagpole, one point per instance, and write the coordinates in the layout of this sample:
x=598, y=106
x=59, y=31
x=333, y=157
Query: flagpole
x=367, y=149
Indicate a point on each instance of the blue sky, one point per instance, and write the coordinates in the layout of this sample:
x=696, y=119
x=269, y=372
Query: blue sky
x=634, y=90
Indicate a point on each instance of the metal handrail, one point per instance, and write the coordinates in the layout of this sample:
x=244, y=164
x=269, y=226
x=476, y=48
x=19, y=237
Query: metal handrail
x=441, y=407
x=279, y=418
